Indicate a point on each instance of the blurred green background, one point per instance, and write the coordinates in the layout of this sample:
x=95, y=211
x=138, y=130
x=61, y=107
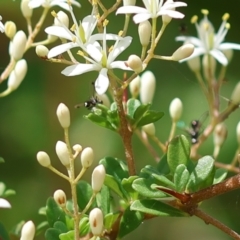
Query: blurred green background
x=28, y=122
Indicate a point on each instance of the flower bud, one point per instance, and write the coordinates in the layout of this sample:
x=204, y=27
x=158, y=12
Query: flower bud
x=149, y=129
x=62, y=19
x=194, y=64
x=134, y=87
x=175, y=109
x=96, y=221
x=42, y=51
x=17, y=75
x=4, y=203
x=166, y=18
x=63, y=154
x=228, y=54
x=10, y=29
x=144, y=32
x=60, y=197
x=63, y=115
x=18, y=45
x=238, y=133
x=208, y=70
x=87, y=157
x=43, y=159
x=26, y=10
x=235, y=98
x=1, y=25
x=52, y=38
x=28, y=231
x=129, y=2
x=147, y=89
x=135, y=63
x=77, y=148
x=184, y=51
x=98, y=176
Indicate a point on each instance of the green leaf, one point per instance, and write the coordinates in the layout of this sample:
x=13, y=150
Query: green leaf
x=9, y=192
x=132, y=105
x=155, y=207
x=164, y=181
x=53, y=212
x=84, y=226
x=40, y=227
x=84, y=194
x=52, y=234
x=103, y=200
x=113, y=184
x=3, y=233
x=60, y=226
x=203, y=174
x=178, y=152
x=143, y=187
x=162, y=165
x=2, y=188
x=140, y=111
x=16, y=230
x=129, y=222
x=149, y=170
x=42, y=211
x=220, y=175
x=2, y=160
x=127, y=185
x=181, y=177
x=149, y=117
x=113, y=106
x=110, y=219
x=67, y=236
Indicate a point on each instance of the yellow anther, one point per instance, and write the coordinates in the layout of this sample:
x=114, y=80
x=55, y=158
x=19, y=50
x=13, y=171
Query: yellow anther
x=73, y=28
x=94, y=2
x=227, y=26
x=194, y=19
x=226, y=16
x=204, y=11
x=98, y=16
x=80, y=53
x=105, y=23
x=69, y=2
x=120, y=33
x=54, y=14
x=74, y=39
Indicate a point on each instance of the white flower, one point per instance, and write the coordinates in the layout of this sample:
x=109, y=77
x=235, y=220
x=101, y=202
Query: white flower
x=100, y=60
x=50, y=3
x=208, y=42
x=153, y=9
x=4, y=203
x=1, y=25
x=81, y=35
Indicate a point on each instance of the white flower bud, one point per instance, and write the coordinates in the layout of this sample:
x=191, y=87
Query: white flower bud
x=134, y=87
x=219, y=134
x=63, y=115
x=228, y=54
x=28, y=231
x=149, y=129
x=10, y=29
x=17, y=75
x=42, y=51
x=144, y=32
x=194, y=64
x=147, y=89
x=77, y=148
x=26, y=10
x=238, y=133
x=60, y=197
x=184, y=51
x=175, y=109
x=1, y=25
x=52, y=38
x=87, y=157
x=43, y=159
x=4, y=203
x=62, y=18
x=96, y=221
x=166, y=18
x=18, y=45
x=135, y=63
x=63, y=154
x=129, y=2
x=207, y=68
x=235, y=98
x=98, y=176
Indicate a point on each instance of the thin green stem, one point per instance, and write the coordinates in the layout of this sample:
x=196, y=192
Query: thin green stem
x=83, y=170
x=126, y=24
x=89, y=204
x=58, y=173
x=172, y=132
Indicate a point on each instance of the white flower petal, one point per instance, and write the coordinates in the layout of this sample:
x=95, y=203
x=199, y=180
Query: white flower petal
x=225, y=46
x=35, y=3
x=99, y=36
x=89, y=24
x=102, y=82
x=59, y=32
x=94, y=52
x=4, y=203
x=141, y=17
x=173, y=5
x=61, y=49
x=79, y=68
x=130, y=9
x=120, y=65
x=171, y=13
x=197, y=52
x=219, y=56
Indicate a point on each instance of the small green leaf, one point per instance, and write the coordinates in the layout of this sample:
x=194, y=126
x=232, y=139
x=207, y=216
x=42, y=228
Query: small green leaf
x=42, y=211
x=181, y=177
x=129, y=222
x=149, y=117
x=140, y=111
x=203, y=174
x=127, y=185
x=67, y=236
x=178, y=152
x=2, y=160
x=52, y=234
x=113, y=106
x=132, y=105
x=84, y=194
x=3, y=233
x=155, y=207
x=143, y=187
x=16, y=230
x=53, y=212
x=60, y=226
x=162, y=165
x=40, y=227
x=148, y=169
x=110, y=219
x=103, y=200
x=9, y=192
x=220, y=175
x=84, y=226
x=164, y=181
x=113, y=184
x=2, y=188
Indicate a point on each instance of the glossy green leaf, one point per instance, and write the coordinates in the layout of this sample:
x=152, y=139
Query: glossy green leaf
x=113, y=106
x=220, y=175
x=178, y=152
x=149, y=117
x=3, y=233
x=84, y=226
x=60, y=226
x=149, y=170
x=132, y=105
x=140, y=111
x=41, y=226
x=181, y=177
x=127, y=185
x=69, y=222
x=42, y=211
x=16, y=230
x=113, y=184
x=110, y=219
x=52, y=234
x=203, y=174
x=2, y=160
x=67, y=236
x=143, y=187
x=103, y=200
x=155, y=207
x=84, y=194
x=53, y=212
x=129, y=222
x=162, y=165
x=163, y=181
